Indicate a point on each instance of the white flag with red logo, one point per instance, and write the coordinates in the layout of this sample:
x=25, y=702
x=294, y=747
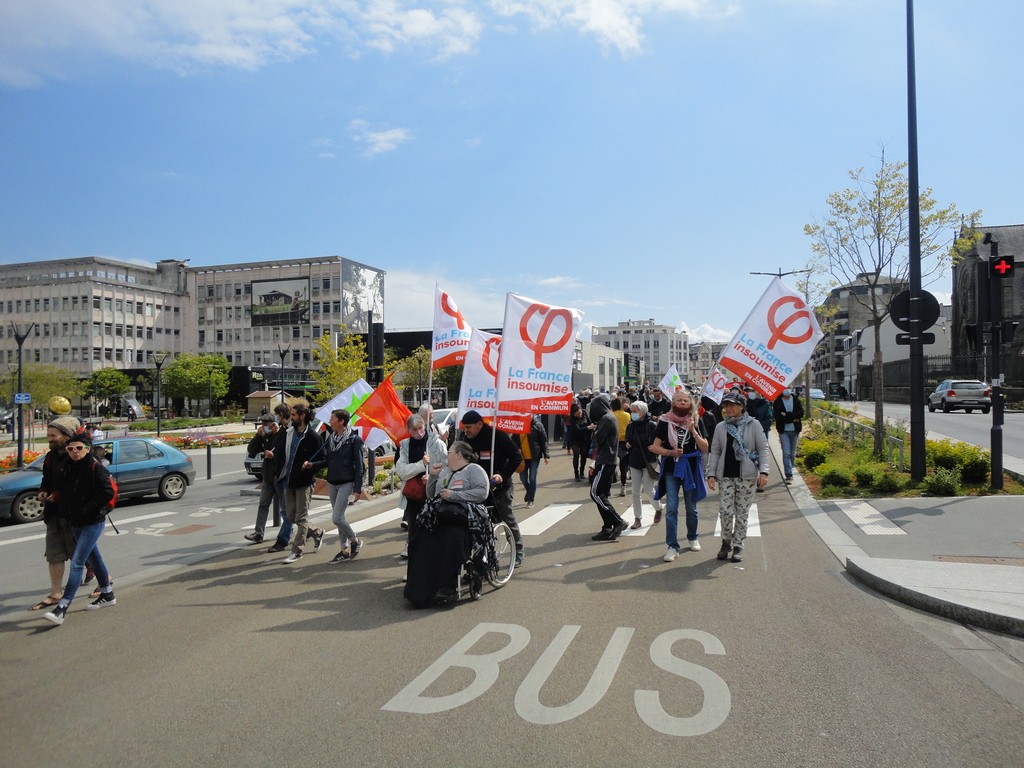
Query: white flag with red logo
x=451, y=332
x=479, y=389
x=535, y=365
x=774, y=342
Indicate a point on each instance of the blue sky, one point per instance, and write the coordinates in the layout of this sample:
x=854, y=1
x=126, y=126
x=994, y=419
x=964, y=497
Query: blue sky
x=631, y=158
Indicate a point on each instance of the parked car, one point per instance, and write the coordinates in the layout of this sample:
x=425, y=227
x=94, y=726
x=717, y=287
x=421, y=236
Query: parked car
x=254, y=466
x=817, y=394
x=140, y=465
x=966, y=394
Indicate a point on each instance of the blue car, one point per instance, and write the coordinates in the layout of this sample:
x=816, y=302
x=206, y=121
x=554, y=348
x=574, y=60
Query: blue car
x=140, y=465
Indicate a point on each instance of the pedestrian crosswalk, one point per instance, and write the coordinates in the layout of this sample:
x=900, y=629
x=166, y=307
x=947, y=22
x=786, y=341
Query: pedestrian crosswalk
x=536, y=523
x=868, y=519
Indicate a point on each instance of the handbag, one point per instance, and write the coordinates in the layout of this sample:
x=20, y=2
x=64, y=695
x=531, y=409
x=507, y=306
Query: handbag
x=653, y=470
x=415, y=488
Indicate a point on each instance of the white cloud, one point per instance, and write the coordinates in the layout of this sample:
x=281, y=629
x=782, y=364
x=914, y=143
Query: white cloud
x=409, y=300
x=377, y=141
x=559, y=281
x=705, y=332
x=53, y=39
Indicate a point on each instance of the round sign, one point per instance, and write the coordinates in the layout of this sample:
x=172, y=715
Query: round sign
x=899, y=310
x=59, y=405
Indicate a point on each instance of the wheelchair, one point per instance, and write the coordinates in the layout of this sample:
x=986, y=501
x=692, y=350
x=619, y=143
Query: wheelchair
x=492, y=559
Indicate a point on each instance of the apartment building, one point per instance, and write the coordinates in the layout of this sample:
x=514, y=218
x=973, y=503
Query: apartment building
x=659, y=346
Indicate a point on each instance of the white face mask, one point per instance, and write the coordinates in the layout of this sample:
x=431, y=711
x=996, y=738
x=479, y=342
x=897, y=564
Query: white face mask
x=634, y=416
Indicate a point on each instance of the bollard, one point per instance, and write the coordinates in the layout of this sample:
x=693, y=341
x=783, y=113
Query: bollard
x=209, y=461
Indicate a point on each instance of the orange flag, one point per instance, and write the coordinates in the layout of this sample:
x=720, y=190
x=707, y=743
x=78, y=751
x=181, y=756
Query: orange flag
x=384, y=409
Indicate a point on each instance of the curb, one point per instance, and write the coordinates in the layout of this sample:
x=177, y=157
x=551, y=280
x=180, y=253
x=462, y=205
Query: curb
x=947, y=609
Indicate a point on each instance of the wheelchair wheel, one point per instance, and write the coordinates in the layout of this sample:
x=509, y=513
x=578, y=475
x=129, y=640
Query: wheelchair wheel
x=505, y=547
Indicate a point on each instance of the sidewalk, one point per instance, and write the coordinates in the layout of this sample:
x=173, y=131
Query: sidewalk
x=961, y=558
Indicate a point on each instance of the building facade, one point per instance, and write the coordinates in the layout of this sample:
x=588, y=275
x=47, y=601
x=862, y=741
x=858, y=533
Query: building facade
x=659, y=346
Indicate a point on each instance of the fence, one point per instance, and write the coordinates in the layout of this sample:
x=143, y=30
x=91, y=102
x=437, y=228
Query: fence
x=893, y=445
x=937, y=368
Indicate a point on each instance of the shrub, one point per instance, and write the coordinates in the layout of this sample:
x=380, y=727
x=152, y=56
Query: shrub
x=942, y=453
x=864, y=475
x=970, y=461
x=814, y=453
x=976, y=468
x=833, y=475
x=888, y=482
x=943, y=482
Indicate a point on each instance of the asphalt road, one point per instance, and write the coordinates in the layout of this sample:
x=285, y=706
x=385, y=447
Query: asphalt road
x=594, y=653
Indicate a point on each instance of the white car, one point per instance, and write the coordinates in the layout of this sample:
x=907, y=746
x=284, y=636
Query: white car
x=963, y=394
x=817, y=394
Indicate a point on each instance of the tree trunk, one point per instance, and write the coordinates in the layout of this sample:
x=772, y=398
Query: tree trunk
x=878, y=383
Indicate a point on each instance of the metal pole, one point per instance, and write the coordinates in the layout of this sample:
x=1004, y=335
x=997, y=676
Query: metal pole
x=995, y=304
x=21, y=409
x=159, y=403
x=209, y=461
x=917, y=430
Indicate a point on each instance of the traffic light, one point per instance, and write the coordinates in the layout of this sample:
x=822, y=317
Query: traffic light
x=1001, y=266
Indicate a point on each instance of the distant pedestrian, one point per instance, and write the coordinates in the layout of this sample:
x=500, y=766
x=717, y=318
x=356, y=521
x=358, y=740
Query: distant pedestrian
x=738, y=462
x=789, y=412
x=83, y=497
x=534, y=445
x=620, y=411
x=579, y=439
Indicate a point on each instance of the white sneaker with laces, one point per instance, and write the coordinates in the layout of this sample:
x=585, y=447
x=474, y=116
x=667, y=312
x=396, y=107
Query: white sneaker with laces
x=695, y=545
x=670, y=555
x=292, y=557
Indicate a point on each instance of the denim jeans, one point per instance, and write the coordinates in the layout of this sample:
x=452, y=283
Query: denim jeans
x=86, y=538
x=788, y=440
x=339, y=504
x=672, y=487
x=528, y=477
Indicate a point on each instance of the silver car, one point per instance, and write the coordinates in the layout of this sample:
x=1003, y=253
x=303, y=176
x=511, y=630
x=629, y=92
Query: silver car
x=965, y=394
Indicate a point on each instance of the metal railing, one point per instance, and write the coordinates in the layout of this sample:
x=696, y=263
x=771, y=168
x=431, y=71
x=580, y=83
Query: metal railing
x=893, y=445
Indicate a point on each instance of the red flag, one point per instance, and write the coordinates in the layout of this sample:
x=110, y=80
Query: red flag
x=383, y=409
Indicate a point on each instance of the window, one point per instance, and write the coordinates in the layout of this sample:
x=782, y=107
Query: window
x=296, y=333
x=326, y=283
x=132, y=451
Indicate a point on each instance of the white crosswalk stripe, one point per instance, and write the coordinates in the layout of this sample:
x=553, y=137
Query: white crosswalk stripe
x=540, y=521
x=753, y=523
x=868, y=519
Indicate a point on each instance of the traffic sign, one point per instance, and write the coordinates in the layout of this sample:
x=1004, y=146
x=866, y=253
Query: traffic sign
x=22, y=398
x=899, y=309
x=903, y=339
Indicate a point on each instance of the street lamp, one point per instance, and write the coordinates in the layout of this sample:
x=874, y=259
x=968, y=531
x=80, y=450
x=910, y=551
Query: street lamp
x=283, y=350
x=209, y=390
x=20, y=336
x=159, y=358
x=807, y=300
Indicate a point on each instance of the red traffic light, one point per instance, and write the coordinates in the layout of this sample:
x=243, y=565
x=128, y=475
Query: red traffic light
x=1001, y=266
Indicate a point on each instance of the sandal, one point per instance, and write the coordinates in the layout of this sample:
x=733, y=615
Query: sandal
x=48, y=602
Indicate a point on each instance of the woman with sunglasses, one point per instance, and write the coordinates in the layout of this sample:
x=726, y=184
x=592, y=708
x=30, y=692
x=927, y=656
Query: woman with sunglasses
x=82, y=496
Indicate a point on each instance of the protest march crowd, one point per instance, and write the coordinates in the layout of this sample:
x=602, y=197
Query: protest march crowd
x=666, y=442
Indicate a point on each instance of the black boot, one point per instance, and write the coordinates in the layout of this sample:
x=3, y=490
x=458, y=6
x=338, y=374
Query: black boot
x=723, y=553
x=737, y=555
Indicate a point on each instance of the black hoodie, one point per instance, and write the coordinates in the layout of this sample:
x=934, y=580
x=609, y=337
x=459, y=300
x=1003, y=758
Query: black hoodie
x=606, y=433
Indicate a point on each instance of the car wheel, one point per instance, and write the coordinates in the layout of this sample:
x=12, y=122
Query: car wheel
x=969, y=410
x=984, y=410
x=945, y=407
x=172, y=487
x=931, y=407
x=27, y=507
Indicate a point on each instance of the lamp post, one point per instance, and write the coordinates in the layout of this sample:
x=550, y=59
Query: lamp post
x=807, y=300
x=158, y=359
x=209, y=390
x=20, y=336
x=282, y=350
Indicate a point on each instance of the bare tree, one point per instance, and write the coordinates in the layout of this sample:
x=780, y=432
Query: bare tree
x=864, y=241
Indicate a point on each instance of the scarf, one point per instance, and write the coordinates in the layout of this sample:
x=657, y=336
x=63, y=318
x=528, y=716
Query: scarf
x=417, y=448
x=683, y=422
x=733, y=427
x=335, y=439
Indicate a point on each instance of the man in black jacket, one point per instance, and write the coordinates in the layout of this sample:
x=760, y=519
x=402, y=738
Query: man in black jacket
x=260, y=443
x=606, y=454
x=293, y=448
x=506, y=460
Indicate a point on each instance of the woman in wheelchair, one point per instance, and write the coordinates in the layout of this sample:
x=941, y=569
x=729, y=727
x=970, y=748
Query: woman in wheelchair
x=441, y=537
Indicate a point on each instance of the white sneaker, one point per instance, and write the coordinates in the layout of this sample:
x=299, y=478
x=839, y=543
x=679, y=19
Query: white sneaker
x=292, y=557
x=695, y=545
x=404, y=554
x=670, y=555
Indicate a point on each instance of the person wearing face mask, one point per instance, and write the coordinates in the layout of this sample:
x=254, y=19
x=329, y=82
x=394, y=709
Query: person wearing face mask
x=658, y=405
x=788, y=412
x=262, y=441
x=680, y=440
x=343, y=457
x=643, y=464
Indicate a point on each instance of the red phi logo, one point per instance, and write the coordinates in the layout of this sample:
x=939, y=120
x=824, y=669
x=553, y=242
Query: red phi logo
x=779, y=329
x=539, y=345
x=451, y=311
x=489, y=358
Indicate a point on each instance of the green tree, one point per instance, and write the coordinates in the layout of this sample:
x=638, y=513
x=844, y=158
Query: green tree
x=866, y=237
x=107, y=383
x=195, y=377
x=339, y=367
x=42, y=382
